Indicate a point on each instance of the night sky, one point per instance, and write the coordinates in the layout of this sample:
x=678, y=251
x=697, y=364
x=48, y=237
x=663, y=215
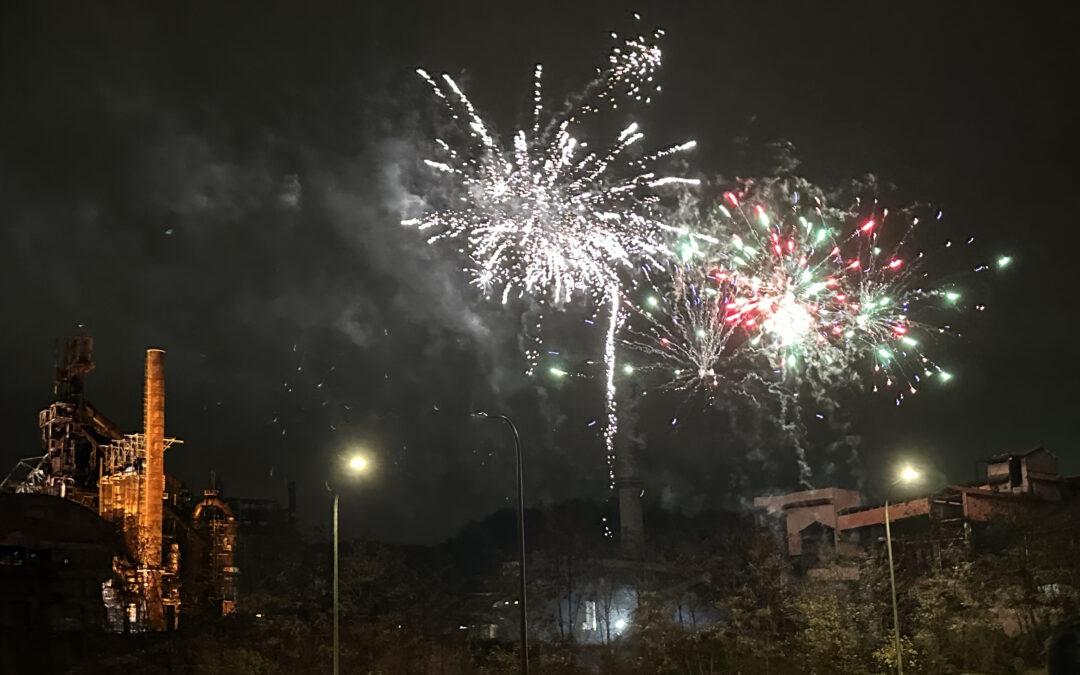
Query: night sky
x=226, y=181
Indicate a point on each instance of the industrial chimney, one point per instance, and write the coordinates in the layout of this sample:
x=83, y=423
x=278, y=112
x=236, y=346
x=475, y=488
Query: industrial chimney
x=631, y=527
x=154, y=468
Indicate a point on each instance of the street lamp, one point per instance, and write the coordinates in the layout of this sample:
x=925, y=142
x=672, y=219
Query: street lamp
x=908, y=475
x=354, y=465
x=520, y=470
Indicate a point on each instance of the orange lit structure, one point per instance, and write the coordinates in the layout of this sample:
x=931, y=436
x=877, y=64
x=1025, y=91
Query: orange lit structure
x=121, y=477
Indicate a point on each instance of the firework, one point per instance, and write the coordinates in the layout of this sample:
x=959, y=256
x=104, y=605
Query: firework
x=549, y=216
x=774, y=278
x=823, y=289
x=772, y=293
x=685, y=334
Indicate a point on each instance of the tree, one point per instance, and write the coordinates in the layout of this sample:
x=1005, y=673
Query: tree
x=829, y=638
x=756, y=596
x=953, y=623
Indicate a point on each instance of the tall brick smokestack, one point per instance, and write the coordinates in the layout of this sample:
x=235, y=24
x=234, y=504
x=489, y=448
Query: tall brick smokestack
x=154, y=469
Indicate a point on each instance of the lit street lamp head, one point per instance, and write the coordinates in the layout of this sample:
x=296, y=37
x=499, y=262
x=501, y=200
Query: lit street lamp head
x=909, y=474
x=357, y=464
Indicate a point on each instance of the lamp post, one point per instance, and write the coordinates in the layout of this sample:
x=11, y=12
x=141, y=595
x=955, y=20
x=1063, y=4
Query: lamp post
x=520, y=470
x=355, y=465
x=908, y=475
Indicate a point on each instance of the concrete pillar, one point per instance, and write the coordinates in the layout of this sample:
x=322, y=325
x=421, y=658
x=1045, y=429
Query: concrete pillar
x=631, y=525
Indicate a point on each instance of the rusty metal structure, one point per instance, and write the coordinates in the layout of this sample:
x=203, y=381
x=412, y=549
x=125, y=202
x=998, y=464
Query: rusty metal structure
x=215, y=518
x=121, y=477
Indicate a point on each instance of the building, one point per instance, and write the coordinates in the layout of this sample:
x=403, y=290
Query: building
x=214, y=520
x=55, y=554
x=118, y=480
x=808, y=516
x=1013, y=486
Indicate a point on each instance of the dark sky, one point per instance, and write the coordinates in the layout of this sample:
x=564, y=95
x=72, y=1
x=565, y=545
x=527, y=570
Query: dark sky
x=225, y=181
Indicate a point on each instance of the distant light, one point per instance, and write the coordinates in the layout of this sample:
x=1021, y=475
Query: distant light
x=358, y=463
x=628, y=369
x=945, y=377
x=909, y=474
x=620, y=624
x=952, y=296
x=557, y=372
x=651, y=301
x=1003, y=262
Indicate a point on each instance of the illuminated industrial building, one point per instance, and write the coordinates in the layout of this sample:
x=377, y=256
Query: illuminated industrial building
x=838, y=521
x=119, y=483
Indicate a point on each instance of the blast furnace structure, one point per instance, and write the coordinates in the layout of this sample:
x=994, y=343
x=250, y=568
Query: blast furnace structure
x=121, y=477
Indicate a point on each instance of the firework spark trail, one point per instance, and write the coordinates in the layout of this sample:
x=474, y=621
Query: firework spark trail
x=612, y=427
x=549, y=217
